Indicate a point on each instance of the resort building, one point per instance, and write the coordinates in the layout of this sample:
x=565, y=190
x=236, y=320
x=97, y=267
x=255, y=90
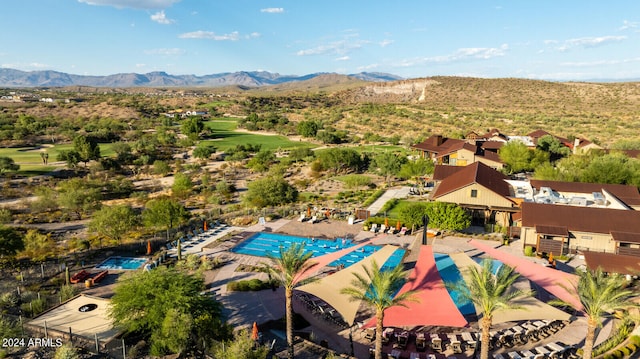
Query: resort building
x=456, y=152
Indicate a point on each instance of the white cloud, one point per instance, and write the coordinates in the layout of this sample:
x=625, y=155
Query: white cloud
x=343, y=58
x=626, y=24
x=165, y=52
x=385, y=43
x=210, y=35
x=273, y=10
x=161, y=18
x=588, y=42
x=462, y=54
x=26, y=67
x=134, y=4
x=341, y=47
x=368, y=67
x=600, y=62
x=140, y=66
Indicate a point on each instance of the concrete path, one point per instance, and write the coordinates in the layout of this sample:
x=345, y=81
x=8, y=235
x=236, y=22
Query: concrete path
x=402, y=192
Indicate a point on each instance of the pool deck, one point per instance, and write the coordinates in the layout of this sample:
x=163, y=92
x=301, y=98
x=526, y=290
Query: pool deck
x=244, y=308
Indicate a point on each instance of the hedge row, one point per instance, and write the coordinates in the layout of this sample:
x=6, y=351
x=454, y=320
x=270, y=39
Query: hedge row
x=250, y=285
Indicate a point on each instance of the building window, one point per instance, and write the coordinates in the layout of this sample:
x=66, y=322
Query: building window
x=474, y=193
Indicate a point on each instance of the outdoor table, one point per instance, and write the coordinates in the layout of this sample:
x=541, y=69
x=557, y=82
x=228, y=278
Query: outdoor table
x=396, y=354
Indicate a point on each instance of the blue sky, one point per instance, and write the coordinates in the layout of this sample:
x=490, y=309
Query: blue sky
x=539, y=39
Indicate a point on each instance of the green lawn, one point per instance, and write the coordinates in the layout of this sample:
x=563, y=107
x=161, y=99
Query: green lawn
x=393, y=212
x=225, y=137
x=31, y=163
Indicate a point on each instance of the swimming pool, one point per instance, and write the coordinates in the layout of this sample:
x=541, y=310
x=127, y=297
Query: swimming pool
x=268, y=244
x=450, y=275
x=122, y=263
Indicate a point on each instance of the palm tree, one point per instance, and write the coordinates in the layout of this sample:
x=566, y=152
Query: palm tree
x=600, y=294
x=489, y=293
x=376, y=288
x=287, y=269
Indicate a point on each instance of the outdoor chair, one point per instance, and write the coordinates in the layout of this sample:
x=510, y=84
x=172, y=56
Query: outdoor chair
x=436, y=343
x=456, y=346
x=421, y=342
x=526, y=354
x=313, y=219
x=514, y=355
x=370, y=333
x=374, y=228
x=403, y=340
x=403, y=231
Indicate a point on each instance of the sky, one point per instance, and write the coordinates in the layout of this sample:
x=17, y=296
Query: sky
x=537, y=39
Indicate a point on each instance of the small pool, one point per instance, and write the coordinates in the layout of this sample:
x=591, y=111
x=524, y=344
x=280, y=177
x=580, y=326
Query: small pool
x=450, y=275
x=122, y=263
x=268, y=244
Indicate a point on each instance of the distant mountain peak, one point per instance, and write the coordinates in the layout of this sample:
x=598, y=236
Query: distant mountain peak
x=49, y=78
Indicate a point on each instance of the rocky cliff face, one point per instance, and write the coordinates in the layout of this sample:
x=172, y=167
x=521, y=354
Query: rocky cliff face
x=406, y=90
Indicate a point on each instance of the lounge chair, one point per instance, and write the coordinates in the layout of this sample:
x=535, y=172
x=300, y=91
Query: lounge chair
x=370, y=333
x=383, y=228
x=403, y=231
x=302, y=218
x=100, y=276
x=79, y=277
x=313, y=219
x=374, y=228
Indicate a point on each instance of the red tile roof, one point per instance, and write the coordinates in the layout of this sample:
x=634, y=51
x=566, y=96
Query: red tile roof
x=476, y=172
x=584, y=219
x=437, y=144
x=441, y=172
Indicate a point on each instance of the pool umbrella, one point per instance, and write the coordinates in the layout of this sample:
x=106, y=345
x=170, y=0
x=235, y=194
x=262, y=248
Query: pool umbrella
x=308, y=211
x=254, y=331
x=149, y=248
x=398, y=225
x=386, y=222
x=204, y=226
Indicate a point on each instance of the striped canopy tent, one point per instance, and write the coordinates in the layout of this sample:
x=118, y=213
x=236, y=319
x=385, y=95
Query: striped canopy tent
x=325, y=260
x=553, y=281
x=329, y=287
x=433, y=305
x=531, y=308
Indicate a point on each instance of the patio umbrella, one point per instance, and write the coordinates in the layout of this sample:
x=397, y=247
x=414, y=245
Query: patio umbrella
x=398, y=225
x=386, y=222
x=149, y=248
x=254, y=331
x=308, y=211
x=204, y=226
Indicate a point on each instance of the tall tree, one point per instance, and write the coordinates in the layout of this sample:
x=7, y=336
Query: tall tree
x=78, y=196
x=516, y=156
x=287, y=268
x=387, y=164
x=165, y=213
x=166, y=306
x=377, y=289
x=182, y=185
x=87, y=148
x=411, y=214
x=270, y=191
x=192, y=126
x=600, y=295
x=113, y=221
x=489, y=293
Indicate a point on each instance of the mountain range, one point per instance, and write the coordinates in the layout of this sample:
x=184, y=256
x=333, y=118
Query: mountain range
x=48, y=78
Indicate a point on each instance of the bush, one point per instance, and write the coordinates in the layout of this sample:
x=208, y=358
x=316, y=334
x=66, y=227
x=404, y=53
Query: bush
x=251, y=285
x=528, y=251
x=636, y=340
x=377, y=194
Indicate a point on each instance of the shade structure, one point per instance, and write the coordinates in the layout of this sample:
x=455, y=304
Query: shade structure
x=553, y=281
x=531, y=308
x=324, y=260
x=434, y=305
x=329, y=287
x=254, y=331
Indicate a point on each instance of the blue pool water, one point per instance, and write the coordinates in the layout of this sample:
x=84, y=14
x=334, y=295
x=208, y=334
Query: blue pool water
x=122, y=263
x=495, y=264
x=268, y=244
x=450, y=275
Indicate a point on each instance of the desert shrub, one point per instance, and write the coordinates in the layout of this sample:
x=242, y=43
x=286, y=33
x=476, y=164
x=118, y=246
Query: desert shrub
x=67, y=351
x=528, y=251
x=67, y=292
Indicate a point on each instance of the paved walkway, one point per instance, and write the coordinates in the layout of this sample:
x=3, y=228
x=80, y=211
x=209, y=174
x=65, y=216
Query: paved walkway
x=402, y=192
